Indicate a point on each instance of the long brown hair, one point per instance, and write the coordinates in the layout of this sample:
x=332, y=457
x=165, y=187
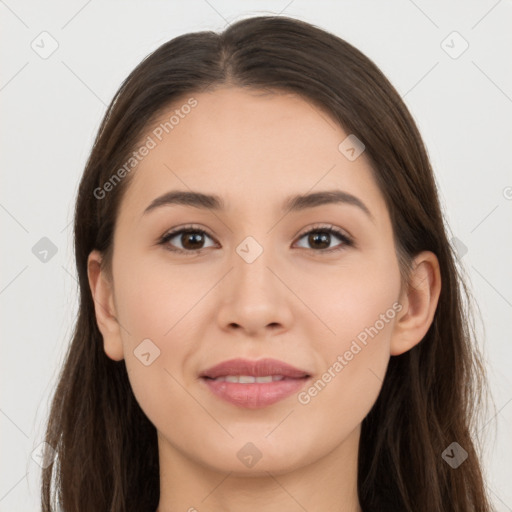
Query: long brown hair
x=107, y=458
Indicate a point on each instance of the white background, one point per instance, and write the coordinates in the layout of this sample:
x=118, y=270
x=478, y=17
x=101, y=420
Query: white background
x=51, y=109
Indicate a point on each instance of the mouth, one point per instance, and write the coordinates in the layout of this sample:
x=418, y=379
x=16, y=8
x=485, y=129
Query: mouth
x=251, y=379
x=254, y=394
x=254, y=384
x=254, y=368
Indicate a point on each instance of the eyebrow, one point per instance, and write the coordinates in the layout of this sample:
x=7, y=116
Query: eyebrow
x=292, y=203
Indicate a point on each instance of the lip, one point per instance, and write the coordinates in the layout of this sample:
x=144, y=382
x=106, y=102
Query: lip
x=254, y=395
x=258, y=368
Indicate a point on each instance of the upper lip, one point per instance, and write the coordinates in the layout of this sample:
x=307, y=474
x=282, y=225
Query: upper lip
x=258, y=368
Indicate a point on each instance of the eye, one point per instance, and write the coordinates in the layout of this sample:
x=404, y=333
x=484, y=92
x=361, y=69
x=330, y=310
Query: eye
x=322, y=236
x=192, y=239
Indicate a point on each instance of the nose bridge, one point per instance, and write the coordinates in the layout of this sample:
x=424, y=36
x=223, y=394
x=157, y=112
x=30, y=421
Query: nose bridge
x=252, y=259
x=255, y=296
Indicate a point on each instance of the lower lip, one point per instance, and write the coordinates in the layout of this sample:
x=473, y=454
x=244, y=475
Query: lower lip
x=255, y=395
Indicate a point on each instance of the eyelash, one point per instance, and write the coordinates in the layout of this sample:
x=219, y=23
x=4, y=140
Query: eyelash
x=347, y=241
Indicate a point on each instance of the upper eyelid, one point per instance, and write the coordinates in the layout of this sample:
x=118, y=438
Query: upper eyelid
x=320, y=226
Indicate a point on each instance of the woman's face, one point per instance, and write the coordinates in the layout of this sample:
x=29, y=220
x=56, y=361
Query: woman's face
x=268, y=282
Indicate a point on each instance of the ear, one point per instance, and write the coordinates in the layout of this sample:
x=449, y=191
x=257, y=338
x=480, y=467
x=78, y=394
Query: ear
x=103, y=296
x=419, y=303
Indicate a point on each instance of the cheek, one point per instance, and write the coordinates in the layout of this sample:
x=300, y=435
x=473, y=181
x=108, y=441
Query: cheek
x=347, y=300
x=157, y=308
x=154, y=300
x=358, y=309
x=355, y=363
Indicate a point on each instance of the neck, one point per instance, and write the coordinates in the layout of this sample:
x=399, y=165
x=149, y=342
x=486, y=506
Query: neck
x=328, y=483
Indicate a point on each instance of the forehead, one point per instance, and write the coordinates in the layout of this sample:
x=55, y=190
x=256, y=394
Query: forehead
x=247, y=146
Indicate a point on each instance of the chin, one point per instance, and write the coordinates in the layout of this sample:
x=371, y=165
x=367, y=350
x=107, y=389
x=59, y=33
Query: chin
x=257, y=458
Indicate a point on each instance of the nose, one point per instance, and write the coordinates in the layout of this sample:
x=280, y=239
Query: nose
x=255, y=298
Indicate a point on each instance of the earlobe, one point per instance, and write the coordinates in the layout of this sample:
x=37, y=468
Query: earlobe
x=104, y=307
x=419, y=304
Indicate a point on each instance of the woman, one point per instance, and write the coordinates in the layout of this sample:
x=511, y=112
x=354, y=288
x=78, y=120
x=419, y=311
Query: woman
x=222, y=359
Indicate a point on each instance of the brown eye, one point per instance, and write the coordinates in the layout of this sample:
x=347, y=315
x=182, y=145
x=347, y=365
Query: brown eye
x=320, y=238
x=191, y=240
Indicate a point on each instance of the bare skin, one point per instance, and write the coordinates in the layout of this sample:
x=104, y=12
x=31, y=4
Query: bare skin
x=295, y=302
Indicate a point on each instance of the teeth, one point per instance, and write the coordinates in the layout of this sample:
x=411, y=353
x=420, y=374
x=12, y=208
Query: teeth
x=249, y=379
x=229, y=378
